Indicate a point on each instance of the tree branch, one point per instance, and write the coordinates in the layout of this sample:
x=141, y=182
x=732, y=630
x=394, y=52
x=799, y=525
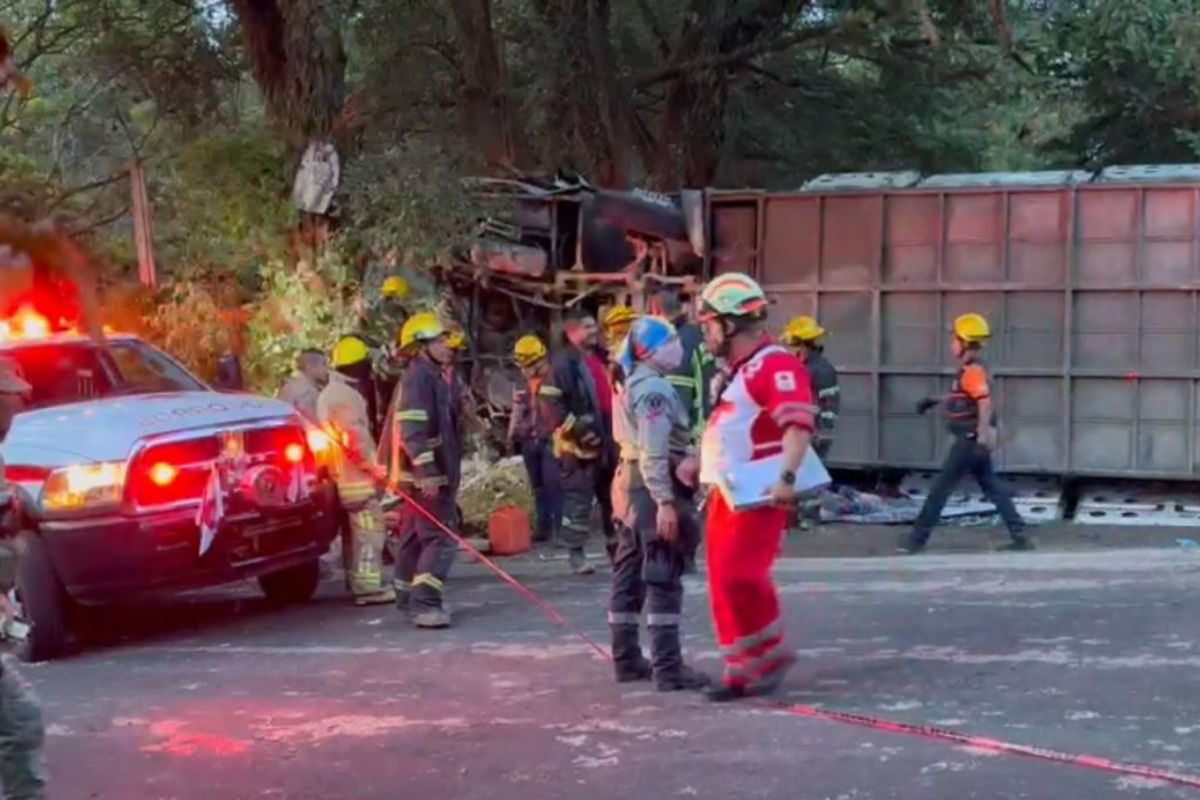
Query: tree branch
x=738, y=56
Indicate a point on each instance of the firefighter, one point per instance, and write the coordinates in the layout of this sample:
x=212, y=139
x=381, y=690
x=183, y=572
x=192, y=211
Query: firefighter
x=385, y=322
x=763, y=410
x=342, y=411
x=654, y=507
x=972, y=420
x=615, y=327
x=694, y=374
x=538, y=411
x=427, y=451
x=583, y=442
x=361, y=375
x=304, y=387
x=22, y=774
x=803, y=337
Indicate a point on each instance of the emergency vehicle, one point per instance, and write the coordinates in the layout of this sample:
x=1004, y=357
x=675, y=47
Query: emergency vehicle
x=134, y=478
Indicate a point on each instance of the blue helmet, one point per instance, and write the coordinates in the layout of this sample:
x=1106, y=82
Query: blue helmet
x=646, y=336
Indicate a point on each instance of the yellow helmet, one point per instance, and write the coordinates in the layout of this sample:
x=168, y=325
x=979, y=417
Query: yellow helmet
x=618, y=317
x=421, y=327
x=801, y=330
x=528, y=351
x=394, y=287
x=457, y=340
x=349, y=350
x=972, y=328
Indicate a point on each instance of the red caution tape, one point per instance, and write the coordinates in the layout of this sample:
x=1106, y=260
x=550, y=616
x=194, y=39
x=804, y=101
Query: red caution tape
x=548, y=610
x=995, y=745
x=843, y=717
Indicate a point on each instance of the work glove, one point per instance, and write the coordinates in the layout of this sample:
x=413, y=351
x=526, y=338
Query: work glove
x=925, y=404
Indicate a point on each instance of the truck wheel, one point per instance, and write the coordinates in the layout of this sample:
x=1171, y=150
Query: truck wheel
x=292, y=585
x=41, y=601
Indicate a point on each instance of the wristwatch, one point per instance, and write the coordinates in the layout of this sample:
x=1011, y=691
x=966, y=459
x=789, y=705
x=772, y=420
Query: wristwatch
x=788, y=477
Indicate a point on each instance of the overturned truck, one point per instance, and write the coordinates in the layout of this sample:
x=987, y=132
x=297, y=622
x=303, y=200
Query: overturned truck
x=1091, y=282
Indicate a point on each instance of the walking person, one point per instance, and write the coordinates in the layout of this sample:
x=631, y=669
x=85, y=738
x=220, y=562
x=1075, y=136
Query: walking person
x=763, y=410
x=971, y=418
x=655, y=512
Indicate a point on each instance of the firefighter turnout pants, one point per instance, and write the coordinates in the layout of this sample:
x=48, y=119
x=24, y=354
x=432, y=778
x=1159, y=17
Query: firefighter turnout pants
x=741, y=546
x=647, y=583
x=368, y=533
x=424, y=554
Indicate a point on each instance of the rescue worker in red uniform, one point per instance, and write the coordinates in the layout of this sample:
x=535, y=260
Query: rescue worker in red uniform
x=427, y=463
x=972, y=420
x=763, y=408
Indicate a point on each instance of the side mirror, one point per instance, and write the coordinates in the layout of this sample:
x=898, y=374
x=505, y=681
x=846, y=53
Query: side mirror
x=229, y=374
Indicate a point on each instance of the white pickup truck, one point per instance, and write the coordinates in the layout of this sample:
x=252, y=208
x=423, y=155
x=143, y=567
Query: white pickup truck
x=117, y=459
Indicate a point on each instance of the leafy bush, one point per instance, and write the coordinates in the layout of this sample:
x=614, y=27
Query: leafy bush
x=309, y=305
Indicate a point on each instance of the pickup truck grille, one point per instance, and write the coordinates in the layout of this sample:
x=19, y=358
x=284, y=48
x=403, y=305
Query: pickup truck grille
x=176, y=471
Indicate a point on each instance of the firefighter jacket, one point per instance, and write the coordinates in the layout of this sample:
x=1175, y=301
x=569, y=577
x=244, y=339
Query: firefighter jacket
x=427, y=442
x=653, y=432
x=825, y=391
x=342, y=411
x=301, y=394
x=694, y=376
x=582, y=432
x=971, y=385
x=539, y=410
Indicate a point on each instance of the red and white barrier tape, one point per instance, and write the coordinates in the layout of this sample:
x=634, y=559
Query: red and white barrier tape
x=845, y=718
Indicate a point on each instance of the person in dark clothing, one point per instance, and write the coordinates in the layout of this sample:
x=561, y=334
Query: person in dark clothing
x=803, y=337
x=583, y=443
x=654, y=497
x=693, y=377
x=972, y=420
x=428, y=449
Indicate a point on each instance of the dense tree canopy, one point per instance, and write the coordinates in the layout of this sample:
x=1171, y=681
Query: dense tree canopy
x=218, y=98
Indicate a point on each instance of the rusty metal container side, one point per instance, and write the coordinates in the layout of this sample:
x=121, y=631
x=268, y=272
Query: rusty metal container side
x=1090, y=282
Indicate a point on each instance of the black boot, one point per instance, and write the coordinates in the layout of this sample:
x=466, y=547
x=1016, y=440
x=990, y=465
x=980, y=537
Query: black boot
x=666, y=657
x=629, y=664
x=1020, y=543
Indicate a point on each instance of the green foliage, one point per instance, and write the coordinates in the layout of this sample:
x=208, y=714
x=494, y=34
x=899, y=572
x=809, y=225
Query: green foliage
x=307, y=305
x=222, y=206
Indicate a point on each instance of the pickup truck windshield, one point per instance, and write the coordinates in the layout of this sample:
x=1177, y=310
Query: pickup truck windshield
x=62, y=373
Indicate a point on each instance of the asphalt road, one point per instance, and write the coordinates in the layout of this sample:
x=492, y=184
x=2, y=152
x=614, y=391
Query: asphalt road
x=219, y=696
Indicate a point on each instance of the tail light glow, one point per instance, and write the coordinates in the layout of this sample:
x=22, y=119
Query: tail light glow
x=163, y=474
x=294, y=453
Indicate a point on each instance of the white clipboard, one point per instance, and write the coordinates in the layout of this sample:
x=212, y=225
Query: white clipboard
x=749, y=485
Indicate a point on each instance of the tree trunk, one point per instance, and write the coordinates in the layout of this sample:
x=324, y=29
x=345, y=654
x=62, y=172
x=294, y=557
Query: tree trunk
x=486, y=102
x=296, y=56
x=596, y=115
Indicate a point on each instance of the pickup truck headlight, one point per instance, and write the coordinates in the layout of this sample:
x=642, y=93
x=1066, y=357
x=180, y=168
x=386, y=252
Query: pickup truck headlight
x=83, y=486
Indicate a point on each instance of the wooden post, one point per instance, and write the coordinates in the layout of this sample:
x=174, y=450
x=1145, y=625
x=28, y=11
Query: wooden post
x=143, y=230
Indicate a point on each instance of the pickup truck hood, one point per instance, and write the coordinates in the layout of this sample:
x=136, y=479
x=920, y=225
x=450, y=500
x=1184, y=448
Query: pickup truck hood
x=107, y=429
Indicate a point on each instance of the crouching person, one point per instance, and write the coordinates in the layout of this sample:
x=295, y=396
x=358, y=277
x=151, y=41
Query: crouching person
x=653, y=506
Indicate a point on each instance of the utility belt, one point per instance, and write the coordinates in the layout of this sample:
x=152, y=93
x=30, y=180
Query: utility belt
x=680, y=489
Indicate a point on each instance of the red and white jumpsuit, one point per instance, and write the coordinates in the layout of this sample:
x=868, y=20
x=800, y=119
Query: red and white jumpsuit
x=765, y=394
